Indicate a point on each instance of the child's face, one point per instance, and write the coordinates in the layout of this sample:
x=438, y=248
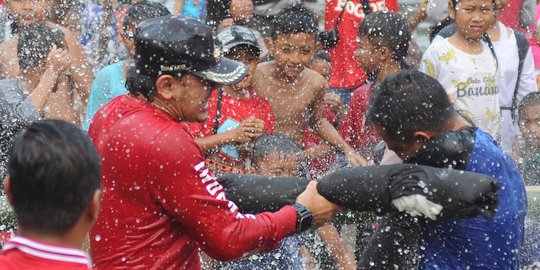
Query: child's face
x=529, y=124
x=294, y=52
x=27, y=12
x=277, y=164
x=473, y=17
x=241, y=11
x=128, y=35
x=323, y=67
x=366, y=54
x=248, y=58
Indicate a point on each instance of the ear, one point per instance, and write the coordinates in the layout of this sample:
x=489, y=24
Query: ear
x=164, y=86
x=451, y=10
x=92, y=211
x=7, y=187
x=424, y=136
x=269, y=45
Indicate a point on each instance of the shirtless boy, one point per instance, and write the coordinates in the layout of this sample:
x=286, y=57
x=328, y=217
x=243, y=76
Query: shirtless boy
x=295, y=92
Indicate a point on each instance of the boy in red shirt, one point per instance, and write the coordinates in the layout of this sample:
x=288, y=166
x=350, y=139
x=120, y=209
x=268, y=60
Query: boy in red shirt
x=237, y=115
x=347, y=73
x=54, y=188
x=384, y=41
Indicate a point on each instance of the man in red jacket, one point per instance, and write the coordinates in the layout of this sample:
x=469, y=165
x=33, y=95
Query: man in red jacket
x=161, y=203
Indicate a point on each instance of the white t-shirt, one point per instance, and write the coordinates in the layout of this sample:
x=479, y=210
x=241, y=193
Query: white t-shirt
x=470, y=80
x=507, y=54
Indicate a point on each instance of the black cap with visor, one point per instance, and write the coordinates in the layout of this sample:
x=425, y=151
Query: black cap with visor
x=180, y=45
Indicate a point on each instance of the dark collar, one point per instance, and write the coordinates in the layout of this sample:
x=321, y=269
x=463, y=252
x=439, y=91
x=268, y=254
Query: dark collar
x=448, y=150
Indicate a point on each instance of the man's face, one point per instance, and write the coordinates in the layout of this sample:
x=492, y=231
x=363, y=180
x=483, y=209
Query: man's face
x=190, y=98
x=529, y=123
x=27, y=12
x=277, y=164
x=294, y=52
x=248, y=58
x=473, y=17
x=404, y=150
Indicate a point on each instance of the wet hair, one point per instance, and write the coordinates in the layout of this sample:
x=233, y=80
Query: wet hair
x=142, y=11
x=531, y=99
x=255, y=51
x=294, y=20
x=323, y=55
x=388, y=29
x=409, y=101
x=35, y=43
x=138, y=83
x=273, y=143
x=54, y=170
x=456, y=2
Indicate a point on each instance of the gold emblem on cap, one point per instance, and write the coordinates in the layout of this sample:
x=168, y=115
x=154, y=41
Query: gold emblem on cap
x=217, y=53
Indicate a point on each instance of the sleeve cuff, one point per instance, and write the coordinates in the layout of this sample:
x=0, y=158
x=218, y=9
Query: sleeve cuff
x=285, y=220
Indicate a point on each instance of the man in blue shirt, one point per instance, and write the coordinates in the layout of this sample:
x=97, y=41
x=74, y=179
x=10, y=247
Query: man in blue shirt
x=416, y=119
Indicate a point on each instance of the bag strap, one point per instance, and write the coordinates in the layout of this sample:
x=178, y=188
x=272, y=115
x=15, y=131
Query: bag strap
x=341, y=14
x=218, y=109
x=366, y=7
x=523, y=47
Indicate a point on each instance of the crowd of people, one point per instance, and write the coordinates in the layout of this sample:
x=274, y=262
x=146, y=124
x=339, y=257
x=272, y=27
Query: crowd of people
x=149, y=102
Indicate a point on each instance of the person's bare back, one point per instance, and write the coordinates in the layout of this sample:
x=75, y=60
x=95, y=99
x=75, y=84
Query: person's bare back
x=294, y=103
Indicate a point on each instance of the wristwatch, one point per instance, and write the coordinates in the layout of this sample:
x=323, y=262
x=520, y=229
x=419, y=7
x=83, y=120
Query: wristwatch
x=303, y=218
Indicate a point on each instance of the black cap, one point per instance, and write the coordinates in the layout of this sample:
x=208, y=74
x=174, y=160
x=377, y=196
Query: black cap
x=180, y=45
x=235, y=35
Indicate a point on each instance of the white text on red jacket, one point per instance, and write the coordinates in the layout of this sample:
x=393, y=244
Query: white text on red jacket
x=216, y=190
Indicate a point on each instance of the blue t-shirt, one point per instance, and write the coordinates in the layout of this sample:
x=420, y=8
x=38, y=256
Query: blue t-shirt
x=286, y=256
x=195, y=9
x=476, y=243
x=108, y=84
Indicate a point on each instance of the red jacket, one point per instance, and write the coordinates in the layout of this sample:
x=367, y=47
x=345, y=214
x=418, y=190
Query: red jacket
x=346, y=71
x=160, y=202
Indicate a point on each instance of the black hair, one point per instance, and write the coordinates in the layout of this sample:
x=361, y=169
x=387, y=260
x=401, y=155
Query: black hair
x=531, y=99
x=322, y=54
x=388, y=29
x=255, y=51
x=409, y=101
x=35, y=43
x=142, y=11
x=54, y=170
x=294, y=20
x=138, y=83
x=273, y=143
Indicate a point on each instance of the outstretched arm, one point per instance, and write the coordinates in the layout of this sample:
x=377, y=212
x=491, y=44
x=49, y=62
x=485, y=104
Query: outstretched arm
x=326, y=131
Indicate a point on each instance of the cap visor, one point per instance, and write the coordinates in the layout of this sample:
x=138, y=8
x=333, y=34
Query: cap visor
x=225, y=72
